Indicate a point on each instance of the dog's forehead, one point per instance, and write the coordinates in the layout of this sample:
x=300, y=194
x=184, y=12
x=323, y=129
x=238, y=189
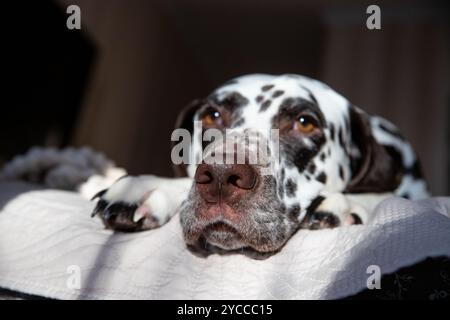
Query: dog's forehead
x=265, y=93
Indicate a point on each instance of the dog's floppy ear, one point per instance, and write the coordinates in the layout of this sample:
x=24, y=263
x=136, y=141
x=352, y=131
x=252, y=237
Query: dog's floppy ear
x=185, y=120
x=375, y=168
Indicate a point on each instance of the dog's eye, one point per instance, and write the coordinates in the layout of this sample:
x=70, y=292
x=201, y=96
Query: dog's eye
x=306, y=123
x=211, y=117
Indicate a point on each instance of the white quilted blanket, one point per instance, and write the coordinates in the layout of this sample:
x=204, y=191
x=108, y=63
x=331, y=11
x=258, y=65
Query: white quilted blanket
x=48, y=242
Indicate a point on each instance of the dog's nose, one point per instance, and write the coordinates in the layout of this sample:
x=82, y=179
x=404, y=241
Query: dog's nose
x=225, y=182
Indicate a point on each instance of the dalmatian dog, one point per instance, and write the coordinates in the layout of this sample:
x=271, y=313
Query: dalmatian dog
x=335, y=164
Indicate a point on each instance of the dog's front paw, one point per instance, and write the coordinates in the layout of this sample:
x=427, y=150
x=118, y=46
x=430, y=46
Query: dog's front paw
x=321, y=220
x=132, y=205
x=335, y=210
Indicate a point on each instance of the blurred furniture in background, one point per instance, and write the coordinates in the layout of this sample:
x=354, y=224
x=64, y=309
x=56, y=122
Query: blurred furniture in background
x=154, y=57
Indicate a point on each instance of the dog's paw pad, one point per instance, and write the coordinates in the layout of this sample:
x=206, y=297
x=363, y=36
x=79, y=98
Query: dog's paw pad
x=322, y=220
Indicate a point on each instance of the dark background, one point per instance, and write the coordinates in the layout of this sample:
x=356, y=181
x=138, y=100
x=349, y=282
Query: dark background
x=118, y=84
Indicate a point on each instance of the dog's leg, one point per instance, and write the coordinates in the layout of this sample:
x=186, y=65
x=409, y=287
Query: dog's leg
x=338, y=209
x=141, y=202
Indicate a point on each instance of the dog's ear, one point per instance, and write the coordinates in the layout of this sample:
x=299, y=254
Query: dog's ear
x=185, y=120
x=375, y=168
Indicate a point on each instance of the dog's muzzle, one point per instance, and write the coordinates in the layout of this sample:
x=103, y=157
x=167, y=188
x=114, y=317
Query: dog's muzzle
x=235, y=205
x=221, y=189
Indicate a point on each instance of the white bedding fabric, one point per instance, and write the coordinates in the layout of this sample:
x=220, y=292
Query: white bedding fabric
x=43, y=233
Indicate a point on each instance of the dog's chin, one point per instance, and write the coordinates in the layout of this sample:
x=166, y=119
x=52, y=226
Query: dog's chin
x=260, y=234
x=223, y=236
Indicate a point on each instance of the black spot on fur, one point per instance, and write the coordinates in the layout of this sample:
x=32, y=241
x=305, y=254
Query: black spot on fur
x=341, y=137
x=238, y=122
x=356, y=218
x=322, y=177
x=312, y=168
x=341, y=172
x=397, y=163
x=310, y=94
x=415, y=170
x=294, y=211
x=297, y=154
x=259, y=99
x=267, y=87
x=332, y=132
x=307, y=177
x=392, y=132
x=266, y=104
x=234, y=100
x=291, y=188
x=322, y=156
x=277, y=93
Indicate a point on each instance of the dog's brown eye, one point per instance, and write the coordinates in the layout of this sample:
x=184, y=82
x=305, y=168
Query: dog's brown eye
x=306, y=123
x=211, y=118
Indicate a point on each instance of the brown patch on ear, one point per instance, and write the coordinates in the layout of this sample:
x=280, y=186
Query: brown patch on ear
x=379, y=169
x=185, y=120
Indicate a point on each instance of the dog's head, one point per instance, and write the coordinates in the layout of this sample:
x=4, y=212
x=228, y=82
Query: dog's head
x=325, y=145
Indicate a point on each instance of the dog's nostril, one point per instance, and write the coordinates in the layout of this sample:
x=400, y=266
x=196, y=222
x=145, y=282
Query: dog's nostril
x=223, y=180
x=243, y=177
x=203, y=176
x=233, y=179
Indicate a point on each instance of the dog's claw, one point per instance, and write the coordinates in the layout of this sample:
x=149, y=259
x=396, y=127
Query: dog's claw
x=138, y=215
x=101, y=205
x=121, y=213
x=99, y=194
